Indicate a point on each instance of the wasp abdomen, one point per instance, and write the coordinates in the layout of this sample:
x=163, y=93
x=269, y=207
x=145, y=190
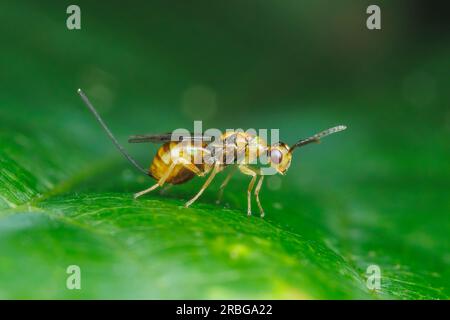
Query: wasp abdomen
x=164, y=160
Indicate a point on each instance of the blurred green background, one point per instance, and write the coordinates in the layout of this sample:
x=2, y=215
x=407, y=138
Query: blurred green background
x=376, y=194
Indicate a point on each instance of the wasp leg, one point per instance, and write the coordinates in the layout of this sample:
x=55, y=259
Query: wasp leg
x=249, y=172
x=192, y=167
x=205, y=185
x=258, y=188
x=160, y=182
x=224, y=184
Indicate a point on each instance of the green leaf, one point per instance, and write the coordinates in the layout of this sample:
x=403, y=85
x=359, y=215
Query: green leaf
x=312, y=244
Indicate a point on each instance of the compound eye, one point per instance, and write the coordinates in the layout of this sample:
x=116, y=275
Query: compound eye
x=276, y=156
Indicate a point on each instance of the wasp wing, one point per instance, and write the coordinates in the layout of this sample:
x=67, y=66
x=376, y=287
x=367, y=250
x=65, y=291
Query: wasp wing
x=153, y=138
x=166, y=137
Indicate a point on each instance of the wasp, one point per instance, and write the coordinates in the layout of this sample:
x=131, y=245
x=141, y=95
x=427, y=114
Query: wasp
x=174, y=161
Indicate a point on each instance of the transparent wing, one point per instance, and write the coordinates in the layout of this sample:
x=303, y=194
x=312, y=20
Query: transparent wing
x=166, y=137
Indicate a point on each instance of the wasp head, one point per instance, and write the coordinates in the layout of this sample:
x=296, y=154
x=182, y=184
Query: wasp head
x=280, y=157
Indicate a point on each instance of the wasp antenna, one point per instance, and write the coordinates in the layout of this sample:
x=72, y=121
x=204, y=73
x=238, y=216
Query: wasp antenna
x=318, y=136
x=109, y=133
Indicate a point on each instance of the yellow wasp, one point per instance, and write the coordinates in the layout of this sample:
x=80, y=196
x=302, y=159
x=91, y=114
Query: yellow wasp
x=175, y=161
